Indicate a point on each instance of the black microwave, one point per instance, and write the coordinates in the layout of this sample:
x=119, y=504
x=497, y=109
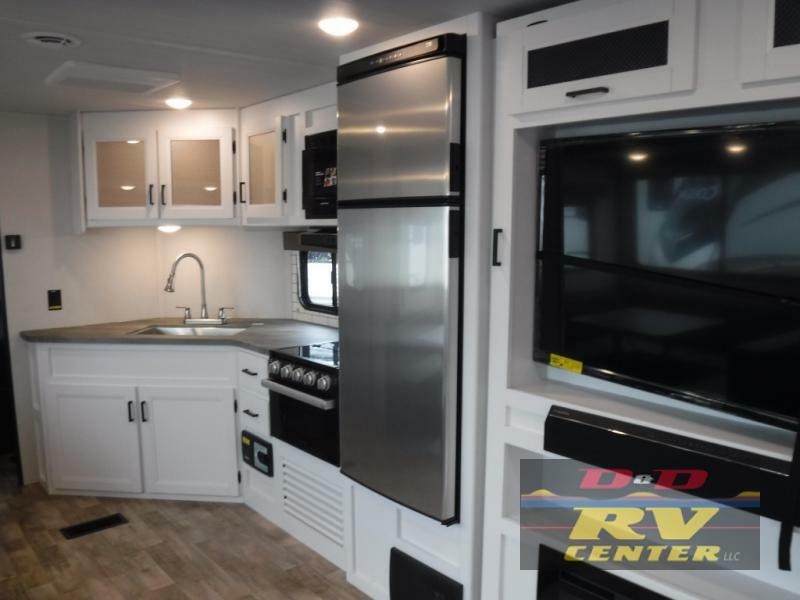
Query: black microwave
x=320, y=178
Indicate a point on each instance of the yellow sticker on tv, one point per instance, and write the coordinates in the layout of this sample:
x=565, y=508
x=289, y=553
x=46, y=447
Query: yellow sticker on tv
x=568, y=364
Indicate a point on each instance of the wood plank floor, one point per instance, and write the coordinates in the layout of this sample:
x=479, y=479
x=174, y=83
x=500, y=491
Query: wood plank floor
x=171, y=550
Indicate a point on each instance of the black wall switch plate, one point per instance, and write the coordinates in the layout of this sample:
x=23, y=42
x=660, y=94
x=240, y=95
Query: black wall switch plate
x=13, y=242
x=54, y=300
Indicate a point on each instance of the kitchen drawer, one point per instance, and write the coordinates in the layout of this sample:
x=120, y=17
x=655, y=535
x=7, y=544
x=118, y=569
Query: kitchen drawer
x=254, y=413
x=252, y=369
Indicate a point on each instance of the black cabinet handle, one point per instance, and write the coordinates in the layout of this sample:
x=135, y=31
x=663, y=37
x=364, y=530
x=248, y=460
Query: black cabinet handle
x=130, y=411
x=241, y=192
x=250, y=413
x=163, y=195
x=150, y=194
x=249, y=372
x=495, y=235
x=144, y=414
x=588, y=91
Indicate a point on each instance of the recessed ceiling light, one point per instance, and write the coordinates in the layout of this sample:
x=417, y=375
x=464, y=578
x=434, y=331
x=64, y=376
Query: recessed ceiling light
x=210, y=188
x=638, y=156
x=127, y=188
x=134, y=141
x=169, y=228
x=736, y=148
x=178, y=103
x=338, y=26
x=380, y=129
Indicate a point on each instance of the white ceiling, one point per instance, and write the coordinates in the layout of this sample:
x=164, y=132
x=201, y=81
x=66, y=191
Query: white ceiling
x=228, y=53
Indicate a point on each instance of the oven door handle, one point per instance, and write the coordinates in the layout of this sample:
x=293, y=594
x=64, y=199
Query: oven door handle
x=298, y=395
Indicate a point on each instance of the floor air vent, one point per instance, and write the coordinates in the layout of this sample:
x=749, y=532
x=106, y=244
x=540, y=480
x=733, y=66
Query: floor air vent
x=313, y=501
x=81, y=529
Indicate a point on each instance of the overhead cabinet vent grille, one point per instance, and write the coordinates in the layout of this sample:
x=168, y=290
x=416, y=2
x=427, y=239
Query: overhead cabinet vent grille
x=314, y=502
x=103, y=77
x=787, y=23
x=617, y=52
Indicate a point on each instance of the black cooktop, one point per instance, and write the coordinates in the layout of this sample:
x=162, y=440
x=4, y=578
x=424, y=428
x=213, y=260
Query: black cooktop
x=325, y=354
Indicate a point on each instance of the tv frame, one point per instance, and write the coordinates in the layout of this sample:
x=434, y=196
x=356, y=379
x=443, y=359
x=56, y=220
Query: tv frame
x=540, y=355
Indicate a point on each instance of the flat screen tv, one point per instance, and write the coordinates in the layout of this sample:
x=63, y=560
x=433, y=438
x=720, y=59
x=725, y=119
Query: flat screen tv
x=670, y=261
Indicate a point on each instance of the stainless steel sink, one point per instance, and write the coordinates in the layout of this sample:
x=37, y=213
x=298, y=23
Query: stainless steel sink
x=191, y=331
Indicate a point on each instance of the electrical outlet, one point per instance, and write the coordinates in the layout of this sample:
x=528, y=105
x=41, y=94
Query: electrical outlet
x=54, y=300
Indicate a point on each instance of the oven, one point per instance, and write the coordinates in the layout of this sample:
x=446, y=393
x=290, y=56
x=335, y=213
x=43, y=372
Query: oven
x=303, y=402
x=320, y=178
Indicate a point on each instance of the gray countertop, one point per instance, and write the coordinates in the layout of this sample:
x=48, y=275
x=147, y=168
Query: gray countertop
x=261, y=335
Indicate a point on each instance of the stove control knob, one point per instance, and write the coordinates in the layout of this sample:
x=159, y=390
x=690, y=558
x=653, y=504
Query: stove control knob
x=286, y=371
x=310, y=378
x=274, y=367
x=297, y=374
x=324, y=383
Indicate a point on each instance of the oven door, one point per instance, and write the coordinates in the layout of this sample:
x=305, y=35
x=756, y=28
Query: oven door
x=311, y=428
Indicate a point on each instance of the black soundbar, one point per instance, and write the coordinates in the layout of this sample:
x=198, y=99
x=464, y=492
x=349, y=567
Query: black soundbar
x=610, y=443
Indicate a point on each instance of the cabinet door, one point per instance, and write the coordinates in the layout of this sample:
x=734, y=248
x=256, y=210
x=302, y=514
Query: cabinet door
x=93, y=438
x=121, y=168
x=261, y=189
x=189, y=440
x=196, y=172
x=624, y=50
x=254, y=415
x=770, y=40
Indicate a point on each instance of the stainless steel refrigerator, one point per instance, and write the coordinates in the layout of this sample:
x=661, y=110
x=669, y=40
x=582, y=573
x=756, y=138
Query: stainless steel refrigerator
x=400, y=196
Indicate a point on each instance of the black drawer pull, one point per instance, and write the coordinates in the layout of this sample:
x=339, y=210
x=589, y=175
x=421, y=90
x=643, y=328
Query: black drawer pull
x=163, y=195
x=130, y=411
x=249, y=372
x=241, y=193
x=142, y=409
x=150, y=195
x=495, y=235
x=588, y=92
x=250, y=413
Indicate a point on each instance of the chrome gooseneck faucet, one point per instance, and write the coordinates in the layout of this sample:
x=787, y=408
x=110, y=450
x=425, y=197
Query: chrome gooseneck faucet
x=170, y=287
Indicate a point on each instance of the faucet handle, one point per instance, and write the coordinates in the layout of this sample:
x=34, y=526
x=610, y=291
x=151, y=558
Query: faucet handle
x=221, y=314
x=187, y=312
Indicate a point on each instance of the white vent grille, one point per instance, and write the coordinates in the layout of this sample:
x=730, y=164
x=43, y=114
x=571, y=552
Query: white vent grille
x=51, y=39
x=104, y=77
x=316, y=503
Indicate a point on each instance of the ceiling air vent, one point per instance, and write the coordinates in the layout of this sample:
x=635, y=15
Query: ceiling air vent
x=115, y=79
x=50, y=39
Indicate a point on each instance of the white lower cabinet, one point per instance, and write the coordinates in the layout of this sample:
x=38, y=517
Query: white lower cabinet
x=188, y=439
x=185, y=436
x=93, y=437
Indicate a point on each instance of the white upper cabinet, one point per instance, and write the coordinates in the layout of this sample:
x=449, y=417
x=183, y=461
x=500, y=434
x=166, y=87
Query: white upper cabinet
x=261, y=166
x=121, y=175
x=196, y=172
x=770, y=40
x=142, y=167
x=622, y=50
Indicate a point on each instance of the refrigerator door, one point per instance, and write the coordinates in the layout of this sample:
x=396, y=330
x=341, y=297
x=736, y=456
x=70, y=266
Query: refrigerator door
x=397, y=130
x=398, y=385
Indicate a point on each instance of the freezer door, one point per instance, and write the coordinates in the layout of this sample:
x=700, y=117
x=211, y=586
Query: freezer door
x=396, y=131
x=398, y=324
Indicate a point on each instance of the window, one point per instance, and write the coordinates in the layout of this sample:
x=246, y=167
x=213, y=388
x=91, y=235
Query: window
x=318, y=282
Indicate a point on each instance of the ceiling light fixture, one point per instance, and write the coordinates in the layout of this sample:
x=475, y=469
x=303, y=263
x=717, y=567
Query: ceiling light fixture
x=638, y=156
x=169, y=228
x=127, y=188
x=338, y=26
x=380, y=129
x=134, y=141
x=178, y=103
x=736, y=148
x=210, y=188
